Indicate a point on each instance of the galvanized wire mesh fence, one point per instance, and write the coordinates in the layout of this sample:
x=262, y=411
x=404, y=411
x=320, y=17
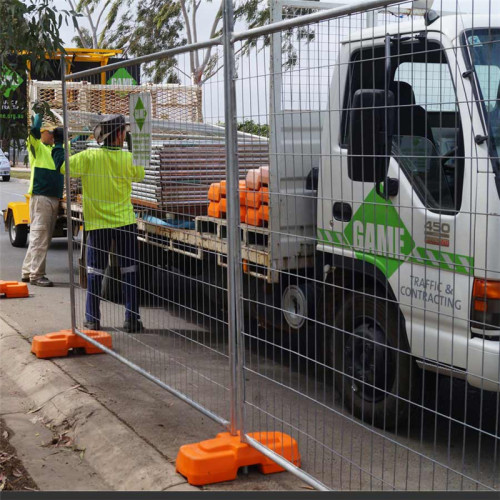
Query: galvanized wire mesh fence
x=347, y=292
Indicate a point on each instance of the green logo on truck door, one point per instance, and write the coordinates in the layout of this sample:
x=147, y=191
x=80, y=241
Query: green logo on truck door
x=378, y=235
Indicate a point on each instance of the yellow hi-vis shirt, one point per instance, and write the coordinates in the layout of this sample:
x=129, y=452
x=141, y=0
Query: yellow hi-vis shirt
x=45, y=179
x=107, y=174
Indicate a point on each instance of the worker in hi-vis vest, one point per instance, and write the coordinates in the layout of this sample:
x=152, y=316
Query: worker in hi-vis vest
x=46, y=189
x=107, y=174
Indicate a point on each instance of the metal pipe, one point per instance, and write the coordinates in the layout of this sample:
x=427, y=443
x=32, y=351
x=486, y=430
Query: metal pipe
x=69, y=222
x=144, y=59
x=353, y=8
x=146, y=374
x=307, y=478
x=233, y=217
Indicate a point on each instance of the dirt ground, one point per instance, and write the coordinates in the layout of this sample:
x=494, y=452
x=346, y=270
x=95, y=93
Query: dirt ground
x=13, y=475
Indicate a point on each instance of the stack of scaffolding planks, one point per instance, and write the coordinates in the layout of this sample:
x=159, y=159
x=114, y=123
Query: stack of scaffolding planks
x=181, y=172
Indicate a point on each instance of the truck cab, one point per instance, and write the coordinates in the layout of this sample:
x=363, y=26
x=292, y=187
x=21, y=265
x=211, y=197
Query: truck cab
x=408, y=204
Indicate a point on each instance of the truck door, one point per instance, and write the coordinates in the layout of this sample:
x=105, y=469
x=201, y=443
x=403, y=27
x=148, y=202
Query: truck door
x=420, y=237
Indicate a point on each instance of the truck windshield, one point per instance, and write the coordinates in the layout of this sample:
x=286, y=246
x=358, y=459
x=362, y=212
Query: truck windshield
x=484, y=50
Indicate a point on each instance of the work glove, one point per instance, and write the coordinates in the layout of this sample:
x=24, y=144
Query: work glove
x=36, y=121
x=58, y=136
x=78, y=138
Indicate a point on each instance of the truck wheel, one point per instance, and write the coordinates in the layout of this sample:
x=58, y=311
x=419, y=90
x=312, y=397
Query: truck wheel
x=18, y=235
x=6, y=178
x=370, y=355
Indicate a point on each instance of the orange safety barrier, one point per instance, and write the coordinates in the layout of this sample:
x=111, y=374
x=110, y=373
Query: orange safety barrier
x=242, y=186
x=264, y=194
x=257, y=177
x=14, y=289
x=223, y=209
x=253, y=217
x=214, y=192
x=217, y=460
x=243, y=214
x=58, y=344
x=214, y=209
x=223, y=205
x=253, y=199
x=264, y=212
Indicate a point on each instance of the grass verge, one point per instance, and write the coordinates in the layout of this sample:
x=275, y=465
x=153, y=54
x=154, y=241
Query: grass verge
x=20, y=175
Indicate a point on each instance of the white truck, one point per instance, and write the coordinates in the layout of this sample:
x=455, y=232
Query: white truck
x=393, y=254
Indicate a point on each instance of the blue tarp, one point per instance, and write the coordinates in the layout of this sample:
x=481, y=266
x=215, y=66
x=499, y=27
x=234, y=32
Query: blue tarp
x=177, y=224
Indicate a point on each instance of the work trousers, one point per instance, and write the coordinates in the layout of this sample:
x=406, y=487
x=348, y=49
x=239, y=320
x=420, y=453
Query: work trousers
x=98, y=247
x=43, y=215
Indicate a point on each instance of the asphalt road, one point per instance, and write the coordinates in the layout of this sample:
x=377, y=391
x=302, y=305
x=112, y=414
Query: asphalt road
x=439, y=449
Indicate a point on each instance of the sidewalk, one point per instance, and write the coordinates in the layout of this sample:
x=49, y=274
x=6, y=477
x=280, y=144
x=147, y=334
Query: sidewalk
x=124, y=431
x=66, y=439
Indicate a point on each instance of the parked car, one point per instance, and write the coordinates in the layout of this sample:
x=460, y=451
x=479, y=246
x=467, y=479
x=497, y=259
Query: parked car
x=4, y=166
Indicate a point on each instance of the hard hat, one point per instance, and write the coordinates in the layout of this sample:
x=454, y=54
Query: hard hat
x=108, y=126
x=48, y=127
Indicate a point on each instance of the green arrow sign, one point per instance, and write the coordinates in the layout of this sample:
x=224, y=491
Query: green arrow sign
x=140, y=113
x=377, y=230
x=121, y=77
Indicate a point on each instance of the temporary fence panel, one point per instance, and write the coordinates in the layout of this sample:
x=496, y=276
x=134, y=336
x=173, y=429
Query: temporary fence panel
x=127, y=263
x=350, y=300
x=373, y=279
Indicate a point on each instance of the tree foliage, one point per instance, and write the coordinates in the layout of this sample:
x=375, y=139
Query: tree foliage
x=29, y=30
x=101, y=15
x=156, y=26
x=250, y=127
x=144, y=27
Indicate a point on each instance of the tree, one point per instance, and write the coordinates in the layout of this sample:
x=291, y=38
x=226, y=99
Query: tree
x=29, y=30
x=101, y=15
x=144, y=33
x=162, y=24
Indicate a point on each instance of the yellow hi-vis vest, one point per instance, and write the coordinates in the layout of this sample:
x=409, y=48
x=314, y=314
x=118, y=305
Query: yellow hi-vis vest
x=107, y=174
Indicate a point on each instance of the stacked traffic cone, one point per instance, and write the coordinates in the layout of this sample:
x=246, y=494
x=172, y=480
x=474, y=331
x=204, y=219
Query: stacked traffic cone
x=254, y=198
x=223, y=200
x=257, y=197
x=214, y=199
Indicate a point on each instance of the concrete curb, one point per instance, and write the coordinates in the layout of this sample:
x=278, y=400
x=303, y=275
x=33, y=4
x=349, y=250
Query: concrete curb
x=122, y=458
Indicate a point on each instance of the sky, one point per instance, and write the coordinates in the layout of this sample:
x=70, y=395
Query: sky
x=253, y=71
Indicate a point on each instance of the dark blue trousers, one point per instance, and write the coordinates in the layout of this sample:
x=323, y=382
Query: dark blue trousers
x=126, y=247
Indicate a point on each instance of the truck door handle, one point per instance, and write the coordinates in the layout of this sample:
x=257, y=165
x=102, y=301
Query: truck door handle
x=342, y=211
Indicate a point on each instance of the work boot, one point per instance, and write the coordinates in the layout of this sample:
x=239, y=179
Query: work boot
x=25, y=279
x=91, y=325
x=43, y=281
x=133, y=326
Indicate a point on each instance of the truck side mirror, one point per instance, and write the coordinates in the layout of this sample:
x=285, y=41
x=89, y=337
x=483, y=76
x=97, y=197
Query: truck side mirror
x=372, y=126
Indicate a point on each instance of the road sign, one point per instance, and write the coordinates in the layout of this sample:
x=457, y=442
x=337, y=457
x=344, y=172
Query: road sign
x=121, y=77
x=140, y=127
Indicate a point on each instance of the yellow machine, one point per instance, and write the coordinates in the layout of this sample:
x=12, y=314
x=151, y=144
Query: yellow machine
x=16, y=216
x=17, y=219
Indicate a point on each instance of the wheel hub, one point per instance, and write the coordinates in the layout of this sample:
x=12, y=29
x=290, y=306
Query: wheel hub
x=368, y=361
x=294, y=305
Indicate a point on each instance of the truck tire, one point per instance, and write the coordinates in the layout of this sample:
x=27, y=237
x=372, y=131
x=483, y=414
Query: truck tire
x=374, y=373
x=6, y=178
x=18, y=235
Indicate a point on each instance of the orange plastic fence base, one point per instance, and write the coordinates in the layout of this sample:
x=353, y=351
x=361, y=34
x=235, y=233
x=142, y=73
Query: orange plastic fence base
x=56, y=344
x=14, y=289
x=217, y=460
